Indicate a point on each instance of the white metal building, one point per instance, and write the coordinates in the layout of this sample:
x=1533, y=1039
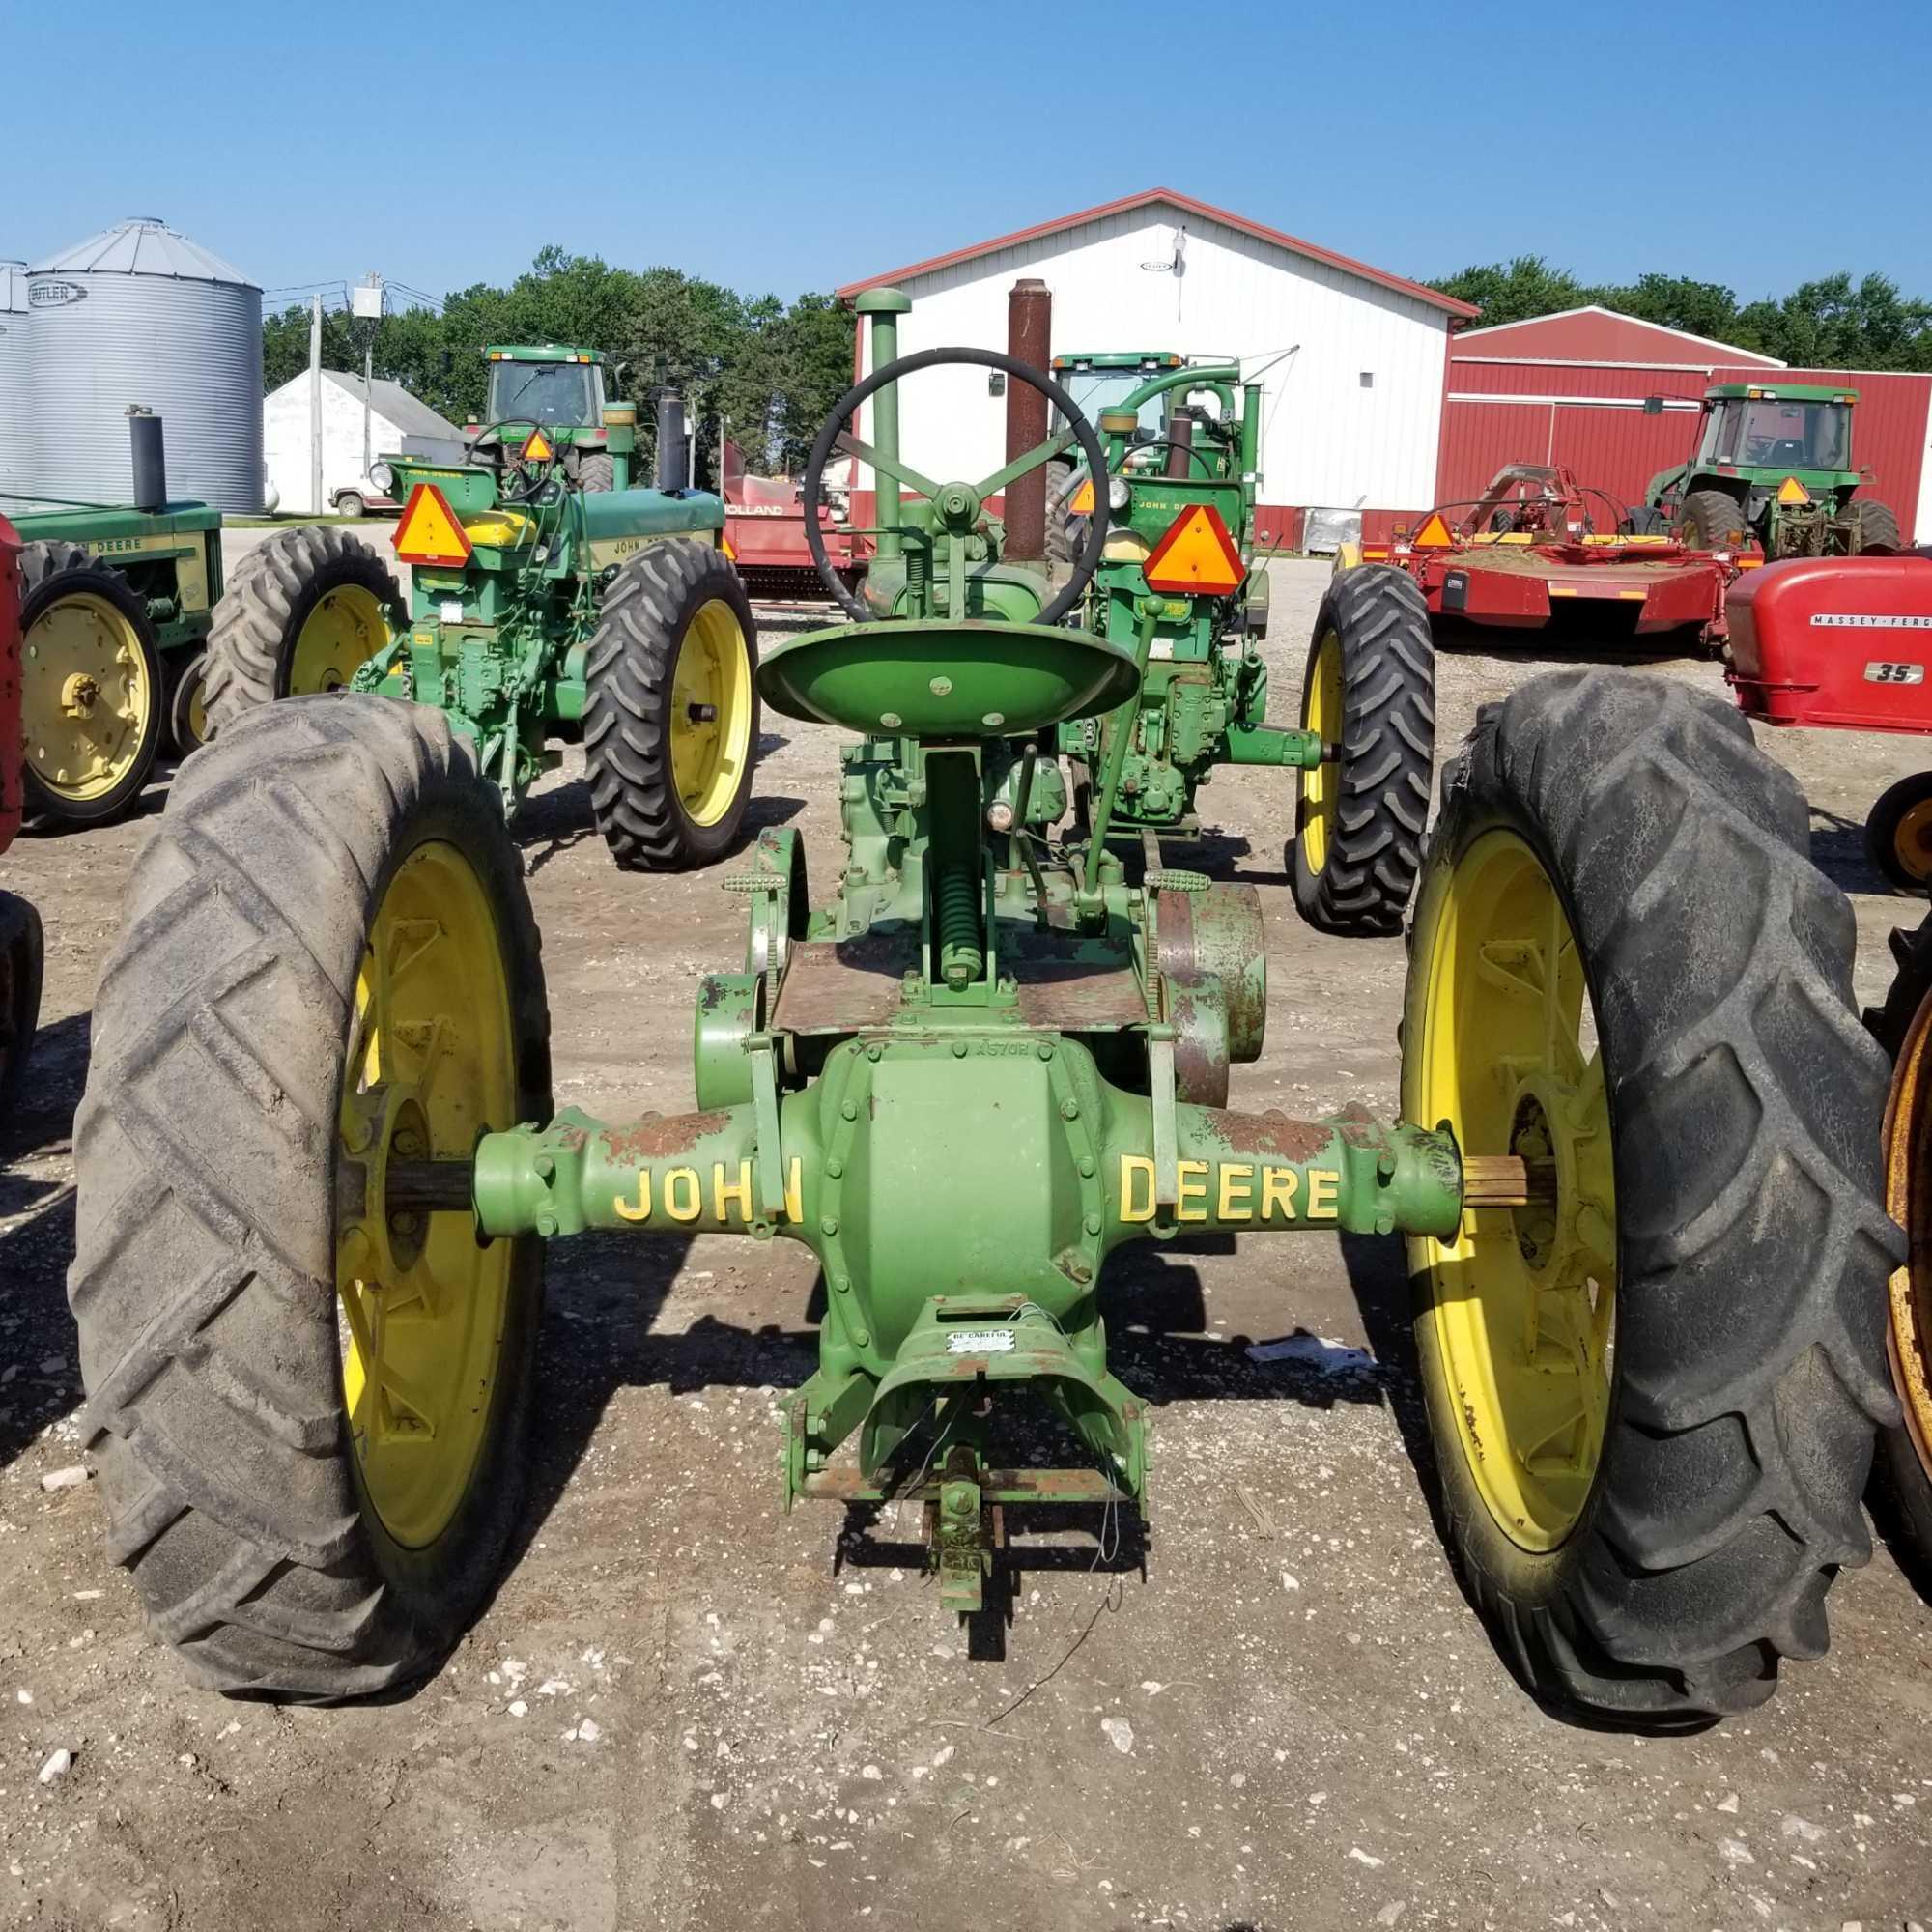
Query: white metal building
x=399, y=423
x=1350, y=417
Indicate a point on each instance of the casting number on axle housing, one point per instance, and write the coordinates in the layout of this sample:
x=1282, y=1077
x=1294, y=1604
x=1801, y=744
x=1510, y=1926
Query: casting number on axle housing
x=980, y=1342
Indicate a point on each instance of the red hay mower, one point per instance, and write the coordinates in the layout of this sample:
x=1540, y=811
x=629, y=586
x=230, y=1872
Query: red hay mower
x=1537, y=545
x=1844, y=642
x=764, y=524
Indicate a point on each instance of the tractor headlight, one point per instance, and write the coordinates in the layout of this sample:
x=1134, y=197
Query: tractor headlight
x=1118, y=492
x=382, y=476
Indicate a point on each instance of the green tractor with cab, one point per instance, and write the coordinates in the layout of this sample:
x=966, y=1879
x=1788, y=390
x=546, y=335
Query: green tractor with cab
x=117, y=601
x=1636, y=1170
x=540, y=609
x=556, y=387
x=1774, y=465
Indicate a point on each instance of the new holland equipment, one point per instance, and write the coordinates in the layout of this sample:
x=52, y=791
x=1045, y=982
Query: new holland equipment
x=21, y=948
x=117, y=601
x=539, y=608
x=1637, y=1169
x=1774, y=465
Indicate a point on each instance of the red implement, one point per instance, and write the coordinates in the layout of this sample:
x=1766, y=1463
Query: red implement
x=1532, y=547
x=764, y=524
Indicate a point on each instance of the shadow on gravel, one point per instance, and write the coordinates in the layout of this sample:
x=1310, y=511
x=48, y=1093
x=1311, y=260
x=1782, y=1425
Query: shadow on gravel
x=1838, y=851
x=1584, y=639
x=554, y=822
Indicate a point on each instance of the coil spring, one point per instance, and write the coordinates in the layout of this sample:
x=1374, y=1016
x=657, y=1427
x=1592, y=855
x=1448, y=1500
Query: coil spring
x=961, y=956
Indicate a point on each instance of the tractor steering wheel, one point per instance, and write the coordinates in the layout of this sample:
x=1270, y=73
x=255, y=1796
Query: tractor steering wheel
x=1078, y=430
x=533, y=477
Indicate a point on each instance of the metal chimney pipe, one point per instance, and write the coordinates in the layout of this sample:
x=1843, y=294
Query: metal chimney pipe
x=672, y=460
x=1181, y=445
x=150, y=458
x=1028, y=340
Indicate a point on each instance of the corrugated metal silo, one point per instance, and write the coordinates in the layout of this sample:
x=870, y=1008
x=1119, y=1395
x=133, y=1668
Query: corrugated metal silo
x=141, y=315
x=13, y=382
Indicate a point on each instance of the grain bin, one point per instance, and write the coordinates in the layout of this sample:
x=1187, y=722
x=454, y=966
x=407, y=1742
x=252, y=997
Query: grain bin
x=13, y=380
x=142, y=316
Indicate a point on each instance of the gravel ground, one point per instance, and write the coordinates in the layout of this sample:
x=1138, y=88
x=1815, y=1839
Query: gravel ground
x=686, y=1709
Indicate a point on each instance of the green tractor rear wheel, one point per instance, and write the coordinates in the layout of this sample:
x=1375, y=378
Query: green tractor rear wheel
x=1368, y=691
x=1654, y=1389
x=91, y=683
x=1711, y=520
x=310, y=1392
x=1873, y=527
x=304, y=611
x=595, y=472
x=670, y=731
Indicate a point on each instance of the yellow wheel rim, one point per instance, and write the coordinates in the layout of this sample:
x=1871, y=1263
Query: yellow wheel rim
x=86, y=696
x=197, y=709
x=1502, y=1047
x=711, y=713
x=432, y=1063
x=1911, y=841
x=1908, y=1148
x=344, y=631
x=1321, y=714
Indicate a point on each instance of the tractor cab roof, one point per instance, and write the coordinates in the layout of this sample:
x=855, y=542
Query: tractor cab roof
x=539, y=351
x=1150, y=360
x=1778, y=392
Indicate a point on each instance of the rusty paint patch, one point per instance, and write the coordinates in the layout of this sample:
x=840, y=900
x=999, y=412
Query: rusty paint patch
x=660, y=1136
x=1272, y=1134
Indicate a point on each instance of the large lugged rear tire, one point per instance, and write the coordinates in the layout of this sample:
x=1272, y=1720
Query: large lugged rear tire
x=596, y=471
x=301, y=613
x=1711, y=520
x=670, y=731
x=91, y=683
x=1654, y=1390
x=1369, y=691
x=22, y=961
x=1903, y=1026
x=309, y=1410
x=1875, y=526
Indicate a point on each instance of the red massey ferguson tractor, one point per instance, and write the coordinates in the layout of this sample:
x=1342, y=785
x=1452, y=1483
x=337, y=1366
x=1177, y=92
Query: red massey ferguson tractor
x=20, y=948
x=1847, y=642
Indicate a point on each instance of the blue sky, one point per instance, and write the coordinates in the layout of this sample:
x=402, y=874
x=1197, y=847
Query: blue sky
x=785, y=147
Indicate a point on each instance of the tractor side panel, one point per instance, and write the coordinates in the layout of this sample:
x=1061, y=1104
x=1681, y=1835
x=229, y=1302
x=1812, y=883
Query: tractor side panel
x=1843, y=642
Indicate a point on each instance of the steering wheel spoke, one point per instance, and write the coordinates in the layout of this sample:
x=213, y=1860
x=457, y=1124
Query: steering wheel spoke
x=1020, y=466
x=899, y=470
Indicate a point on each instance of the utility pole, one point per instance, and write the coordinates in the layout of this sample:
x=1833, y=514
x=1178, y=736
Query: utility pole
x=315, y=403
x=365, y=304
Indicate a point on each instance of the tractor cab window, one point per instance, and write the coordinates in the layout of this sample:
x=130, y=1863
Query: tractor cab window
x=564, y=394
x=1096, y=389
x=1773, y=432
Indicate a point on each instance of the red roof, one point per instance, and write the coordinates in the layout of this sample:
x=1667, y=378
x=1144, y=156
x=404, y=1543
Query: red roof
x=1186, y=205
x=1598, y=334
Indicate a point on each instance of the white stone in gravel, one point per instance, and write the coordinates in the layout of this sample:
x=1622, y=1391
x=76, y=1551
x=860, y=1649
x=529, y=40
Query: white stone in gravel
x=70, y=1478
x=58, y=1765
x=589, y=1731
x=24, y=1696
x=1120, y=1734
x=1735, y=1852
x=1795, y=1827
x=719, y=1799
x=1362, y=1858
x=518, y=1709
x=1728, y=1803
x=1390, y=1913
x=871, y=1771
x=1289, y=1582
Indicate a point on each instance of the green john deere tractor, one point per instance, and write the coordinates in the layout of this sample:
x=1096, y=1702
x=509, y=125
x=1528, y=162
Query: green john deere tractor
x=117, y=602
x=539, y=608
x=1182, y=457
x=1637, y=1172
x=559, y=388
x=1774, y=465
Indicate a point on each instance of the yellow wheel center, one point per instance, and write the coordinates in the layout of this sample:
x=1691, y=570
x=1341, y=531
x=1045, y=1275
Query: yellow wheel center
x=711, y=713
x=1911, y=841
x=1908, y=1146
x=432, y=1064
x=86, y=696
x=1321, y=714
x=1524, y=1299
x=344, y=631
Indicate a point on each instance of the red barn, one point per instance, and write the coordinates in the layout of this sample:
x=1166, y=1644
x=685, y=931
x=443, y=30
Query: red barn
x=1617, y=400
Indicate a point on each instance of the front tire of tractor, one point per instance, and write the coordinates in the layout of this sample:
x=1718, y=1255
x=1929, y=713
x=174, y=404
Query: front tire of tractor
x=91, y=683
x=1063, y=544
x=301, y=613
x=1874, y=527
x=1645, y=520
x=1898, y=833
x=309, y=1411
x=1710, y=519
x=22, y=961
x=670, y=729
x=597, y=472
x=1653, y=1391
x=1369, y=691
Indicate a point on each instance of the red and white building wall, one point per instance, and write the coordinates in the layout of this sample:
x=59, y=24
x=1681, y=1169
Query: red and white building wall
x=1350, y=357
x=1617, y=400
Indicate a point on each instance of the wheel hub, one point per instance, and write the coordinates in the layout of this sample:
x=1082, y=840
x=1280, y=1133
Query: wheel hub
x=80, y=694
